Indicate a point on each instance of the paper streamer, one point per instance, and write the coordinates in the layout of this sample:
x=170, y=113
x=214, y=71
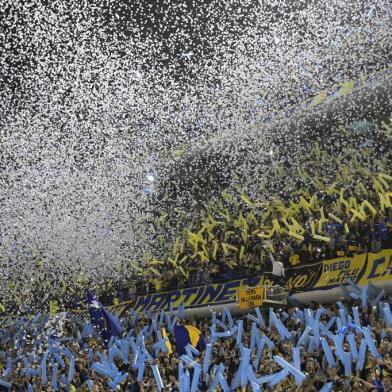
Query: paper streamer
x=326, y=387
x=316, y=329
x=181, y=377
x=255, y=387
x=269, y=342
x=361, y=355
x=227, y=314
x=190, y=350
x=135, y=358
x=357, y=320
x=328, y=353
x=283, y=331
x=219, y=323
x=124, y=348
x=339, y=323
x=370, y=342
x=240, y=329
x=196, y=378
x=342, y=312
x=241, y=376
x=186, y=381
x=309, y=320
x=140, y=371
x=181, y=310
x=278, y=377
x=321, y=238
x=157, y=376
x=353, y=346
x=102, y=369
x=254, y=336
x=311, y=344
x=119, y=378
x=387, y=314
x=170, y=326
x=213, y=318
x=5, y=384
x=71, y=370
x=207, y=358
x=219, y=380
x=245, y=359
x=8, y=369
x=303, y=339
x=364, y=297
x=256, y=361
x=54, y=376
x=344, y=357
x=378, y=298
x=161, y=344
x=291, y=369
x=89, y=384
x=43, y=368
x=259, y=317
x=297, y=357
x=264, y=379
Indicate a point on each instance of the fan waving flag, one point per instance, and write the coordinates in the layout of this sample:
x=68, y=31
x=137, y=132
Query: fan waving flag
x=101, y=319
x=185, y=334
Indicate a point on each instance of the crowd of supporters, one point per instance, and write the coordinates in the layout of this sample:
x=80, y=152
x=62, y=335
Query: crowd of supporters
x=24, y=343
x=334, y=201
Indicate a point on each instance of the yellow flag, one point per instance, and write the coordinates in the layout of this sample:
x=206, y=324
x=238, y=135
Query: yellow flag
x=167, y=343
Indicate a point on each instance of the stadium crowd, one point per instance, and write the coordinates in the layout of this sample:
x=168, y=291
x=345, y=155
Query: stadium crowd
x=72, y=342
x=333, y=201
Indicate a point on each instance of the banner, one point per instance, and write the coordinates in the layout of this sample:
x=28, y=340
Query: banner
x=337, y=271
x=192, y=297
x=362, y=268
x=379, y=267
x=250, y=297
x=302, y=277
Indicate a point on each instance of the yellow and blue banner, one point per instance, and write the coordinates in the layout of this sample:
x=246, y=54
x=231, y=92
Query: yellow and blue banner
x=360, y=269
x=337, y=271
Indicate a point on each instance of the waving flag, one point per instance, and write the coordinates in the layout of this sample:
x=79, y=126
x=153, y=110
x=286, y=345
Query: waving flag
x=101, y=319
x=168, y=344
x=185, y=334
